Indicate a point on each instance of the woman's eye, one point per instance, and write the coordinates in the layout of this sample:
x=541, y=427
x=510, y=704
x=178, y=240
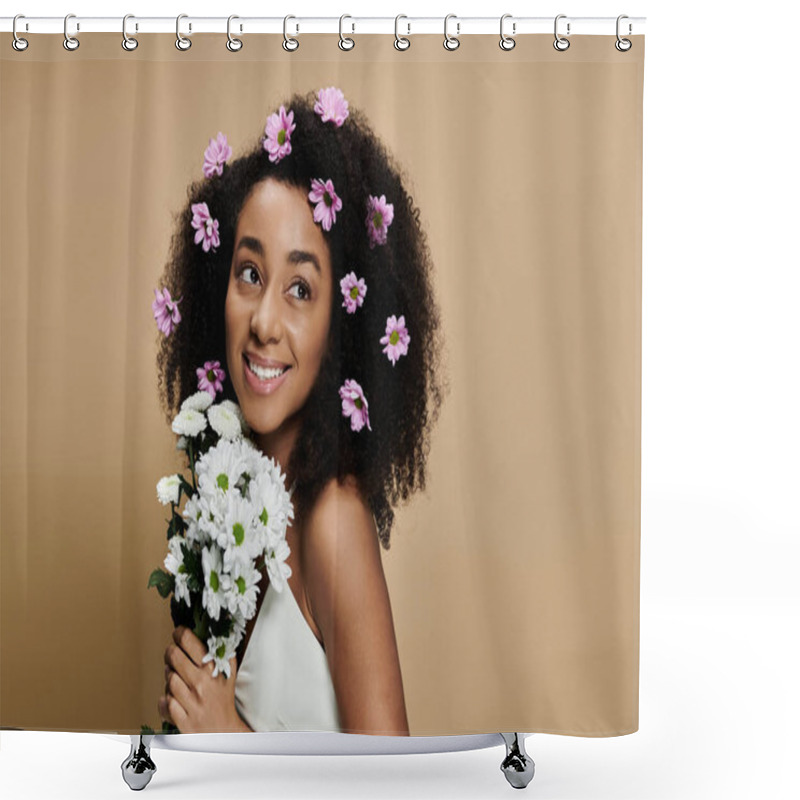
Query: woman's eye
x=247, y=269
x=300, y=286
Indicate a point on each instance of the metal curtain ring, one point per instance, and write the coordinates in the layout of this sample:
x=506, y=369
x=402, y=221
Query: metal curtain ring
x=17, y=42
x=70, y=42
x=182, y=43
x=128, y=42
x=400, y=42
x=233, y=44
x=451, y=42
x=506, y=42
x=289, y=43
x=345, y=43
x=623, y=45
x=560, y=42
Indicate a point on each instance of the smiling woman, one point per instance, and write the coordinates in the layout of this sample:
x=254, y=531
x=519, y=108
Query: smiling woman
x=302, y=268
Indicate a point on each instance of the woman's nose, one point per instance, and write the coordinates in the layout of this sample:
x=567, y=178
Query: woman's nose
x=266, y=323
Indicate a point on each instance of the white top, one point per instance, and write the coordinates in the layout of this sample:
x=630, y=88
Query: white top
x=283, y=682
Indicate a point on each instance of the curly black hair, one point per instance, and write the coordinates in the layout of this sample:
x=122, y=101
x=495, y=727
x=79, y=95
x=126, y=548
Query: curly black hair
x=388, y=462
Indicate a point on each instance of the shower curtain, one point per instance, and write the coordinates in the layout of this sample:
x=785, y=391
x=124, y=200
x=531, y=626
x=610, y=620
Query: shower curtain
x=491, y=412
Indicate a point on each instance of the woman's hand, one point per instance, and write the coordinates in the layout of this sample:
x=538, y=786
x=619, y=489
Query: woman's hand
x=194, y=701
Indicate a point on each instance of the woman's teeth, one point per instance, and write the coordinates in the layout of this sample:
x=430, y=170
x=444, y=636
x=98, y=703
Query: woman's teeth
x=263, y=373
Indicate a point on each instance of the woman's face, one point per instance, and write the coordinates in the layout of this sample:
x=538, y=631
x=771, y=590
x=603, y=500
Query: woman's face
x=278, y=305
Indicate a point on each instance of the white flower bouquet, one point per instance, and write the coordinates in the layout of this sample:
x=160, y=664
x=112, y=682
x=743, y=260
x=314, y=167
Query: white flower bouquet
x=232, y=525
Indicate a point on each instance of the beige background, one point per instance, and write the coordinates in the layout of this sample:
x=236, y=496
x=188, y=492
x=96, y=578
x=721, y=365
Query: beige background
x=515, y=578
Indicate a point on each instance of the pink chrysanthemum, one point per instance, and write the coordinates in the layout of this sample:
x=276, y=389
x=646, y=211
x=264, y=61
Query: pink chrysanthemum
x=354, y=405
x=207, y=227
x=396, y=339
x=331, y=105
x=379, y=217
x=216, y=154
x=165, y=311
x=354, y=290
x=278, y=134
x=326, y=200
x=210, y=377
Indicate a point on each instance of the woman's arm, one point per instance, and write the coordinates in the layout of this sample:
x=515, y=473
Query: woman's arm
x=349, y=601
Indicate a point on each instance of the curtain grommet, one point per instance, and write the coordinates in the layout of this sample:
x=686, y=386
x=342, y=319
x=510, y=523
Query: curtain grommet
x=129, y=43
x=345, y=42
x=507, y=42
x=560, y=43
x=181, y=42
x=401, y=42
x=623, y=45
x=290, y=44
x=71, y=43
x=233, y=44
x=18, y=43
x=451, y=42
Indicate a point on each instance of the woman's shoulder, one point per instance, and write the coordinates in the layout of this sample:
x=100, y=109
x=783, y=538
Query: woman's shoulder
x=340, y=507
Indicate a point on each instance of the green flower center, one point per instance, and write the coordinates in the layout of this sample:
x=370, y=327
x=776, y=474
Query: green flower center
x=182, y=568
x=213, y=581
x=358, y=402
x=211, y=375
x=264, y=516
x=281, y=135
x=238, y=532
x=241, y=585
x=394, y=338
x=354, y=293
x=220, y=650
x=222, y=481
x=377, y=219
x=328, y=199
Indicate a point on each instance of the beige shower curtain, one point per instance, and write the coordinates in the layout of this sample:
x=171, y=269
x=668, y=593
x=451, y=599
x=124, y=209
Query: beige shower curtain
x=514, y=577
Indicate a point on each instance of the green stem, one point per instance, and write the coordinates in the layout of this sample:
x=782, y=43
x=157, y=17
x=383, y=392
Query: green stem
x=191, y=463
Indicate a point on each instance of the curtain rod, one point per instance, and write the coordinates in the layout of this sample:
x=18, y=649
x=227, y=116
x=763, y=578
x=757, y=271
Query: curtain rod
x=406, y=26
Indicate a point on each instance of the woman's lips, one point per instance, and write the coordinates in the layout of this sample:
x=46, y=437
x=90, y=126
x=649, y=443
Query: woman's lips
x=259, y=386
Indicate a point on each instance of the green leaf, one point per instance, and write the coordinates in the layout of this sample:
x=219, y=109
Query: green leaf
x=186, y=487
x=146, y=730
x=163, y=581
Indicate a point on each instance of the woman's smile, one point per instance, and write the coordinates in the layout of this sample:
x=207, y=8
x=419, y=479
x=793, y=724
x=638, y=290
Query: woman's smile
x=264, y=380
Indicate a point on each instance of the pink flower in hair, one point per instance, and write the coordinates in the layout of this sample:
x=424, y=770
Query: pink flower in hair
x=331, y=105
x=354, y=290
x=207, y=227
x=354, y=405
x=165, y=311
x=396, y=339
x=379, y=217
x=210, y=377
x=278, y=134
x=216, y=154
x=327, y=202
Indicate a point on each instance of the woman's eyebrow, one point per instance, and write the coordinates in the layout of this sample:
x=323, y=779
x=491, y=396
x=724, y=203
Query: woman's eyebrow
x=295, y=257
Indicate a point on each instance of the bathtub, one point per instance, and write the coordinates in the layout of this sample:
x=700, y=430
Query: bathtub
x=138, y=767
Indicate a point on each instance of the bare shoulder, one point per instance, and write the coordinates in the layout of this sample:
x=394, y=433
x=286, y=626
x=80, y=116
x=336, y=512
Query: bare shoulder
x=340, y=518
x=341, y=551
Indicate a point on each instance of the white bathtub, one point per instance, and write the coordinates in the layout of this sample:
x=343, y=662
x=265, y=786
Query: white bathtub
x=138, y=768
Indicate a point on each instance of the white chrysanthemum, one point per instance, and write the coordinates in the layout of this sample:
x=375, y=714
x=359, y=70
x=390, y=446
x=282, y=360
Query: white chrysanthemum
x=174, y=564
x=277, y=551
x=242, y=538
x=189, y=422
x=221, y=649
x=271, y=501
x=213, y=593
x=196, y=515
x=235, y=409
x=221, y=467
x=168, y=489
x=199, y=401
x=224, y=422
x=241, y=588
